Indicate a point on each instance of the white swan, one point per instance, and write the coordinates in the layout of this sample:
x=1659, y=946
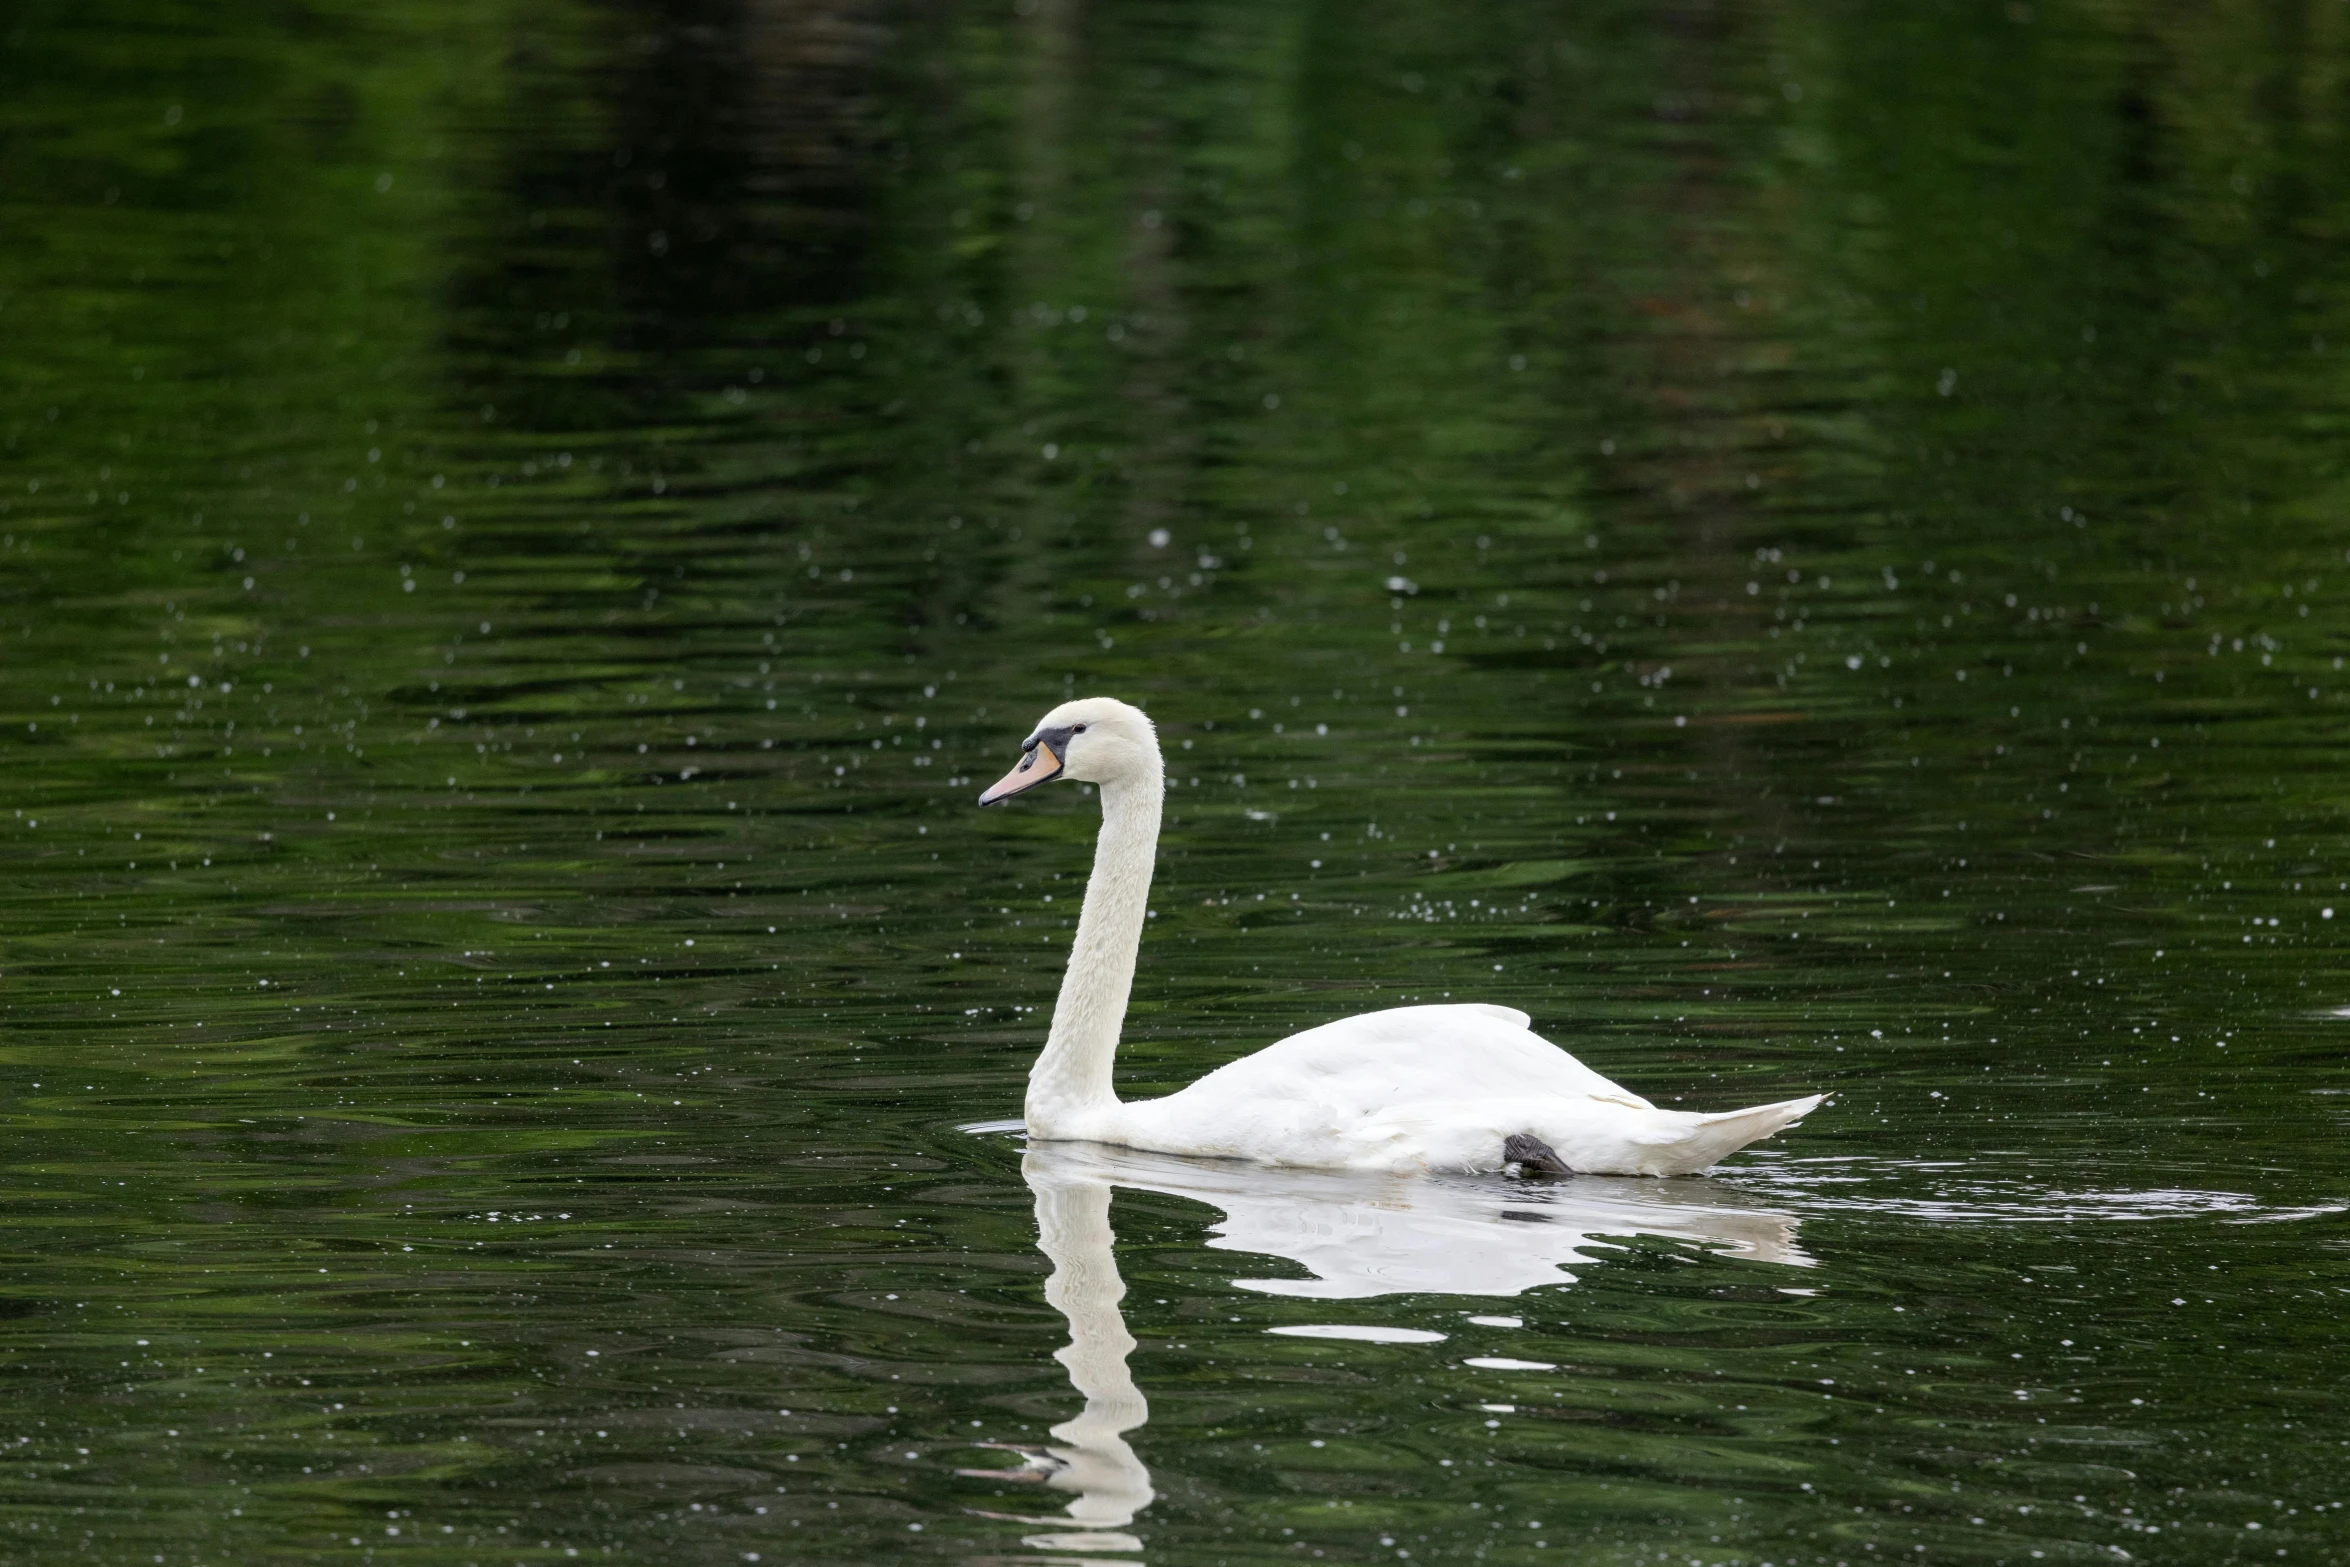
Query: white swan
x=1465, y=1087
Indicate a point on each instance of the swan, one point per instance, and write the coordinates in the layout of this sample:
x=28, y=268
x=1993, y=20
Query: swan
x=1468, y=1087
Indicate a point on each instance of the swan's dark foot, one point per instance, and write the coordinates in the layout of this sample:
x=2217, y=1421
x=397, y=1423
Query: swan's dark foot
x=1532, y=1156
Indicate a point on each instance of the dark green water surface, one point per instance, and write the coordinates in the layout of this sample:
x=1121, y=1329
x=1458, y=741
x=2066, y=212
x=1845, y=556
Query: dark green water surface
x=1806, y=545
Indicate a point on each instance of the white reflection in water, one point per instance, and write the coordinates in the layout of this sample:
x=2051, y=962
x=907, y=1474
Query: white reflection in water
x=1361, y=1236
x=1088, y=1455
x=1360, y=1333
x=1357, y=1236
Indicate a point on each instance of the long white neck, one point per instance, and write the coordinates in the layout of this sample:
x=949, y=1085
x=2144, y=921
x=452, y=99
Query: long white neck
x=1071, y=1078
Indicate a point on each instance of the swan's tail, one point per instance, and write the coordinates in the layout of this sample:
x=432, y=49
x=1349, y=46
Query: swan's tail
x=1715, y=1137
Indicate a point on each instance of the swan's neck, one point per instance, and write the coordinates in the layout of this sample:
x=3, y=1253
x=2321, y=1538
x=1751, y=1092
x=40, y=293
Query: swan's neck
x=1071, y=1078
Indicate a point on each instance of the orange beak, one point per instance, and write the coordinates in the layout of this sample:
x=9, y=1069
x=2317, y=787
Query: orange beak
x=1041, y=765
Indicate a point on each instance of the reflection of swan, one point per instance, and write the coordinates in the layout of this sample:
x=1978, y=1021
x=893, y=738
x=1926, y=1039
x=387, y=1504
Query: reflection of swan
x=1089, y=1455
x=1364, y=1235
x=1406, y=1090
x=1359, y=1235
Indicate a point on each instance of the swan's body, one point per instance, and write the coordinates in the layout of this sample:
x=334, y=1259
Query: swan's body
x=1409, y=1089
x=1425, y=1088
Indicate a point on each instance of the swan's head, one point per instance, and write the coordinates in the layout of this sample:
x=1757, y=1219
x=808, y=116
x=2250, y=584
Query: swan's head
x=1097, y=740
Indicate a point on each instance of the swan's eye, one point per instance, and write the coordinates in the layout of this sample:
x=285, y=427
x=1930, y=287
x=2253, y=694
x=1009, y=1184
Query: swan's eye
x=1080, y=729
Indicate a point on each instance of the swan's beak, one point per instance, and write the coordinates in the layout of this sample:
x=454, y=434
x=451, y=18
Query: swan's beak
x=1041, y=765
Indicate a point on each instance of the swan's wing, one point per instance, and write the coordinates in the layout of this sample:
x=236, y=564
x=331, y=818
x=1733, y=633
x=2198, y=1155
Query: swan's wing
x=1363, y=1065
x=1450, y=1052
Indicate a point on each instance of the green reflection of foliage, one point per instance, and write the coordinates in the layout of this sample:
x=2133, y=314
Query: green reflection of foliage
x=740, y=348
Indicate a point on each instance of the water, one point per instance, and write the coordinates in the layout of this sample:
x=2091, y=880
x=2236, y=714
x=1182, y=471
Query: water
x=1805, y=548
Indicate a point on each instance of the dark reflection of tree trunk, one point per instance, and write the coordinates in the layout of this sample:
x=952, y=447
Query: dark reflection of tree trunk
x=1676, y=351
x=715, y=179
x=1165, y=441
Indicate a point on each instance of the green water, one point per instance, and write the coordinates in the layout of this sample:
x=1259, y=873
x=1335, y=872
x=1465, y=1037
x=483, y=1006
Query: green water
x=1807, y=546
